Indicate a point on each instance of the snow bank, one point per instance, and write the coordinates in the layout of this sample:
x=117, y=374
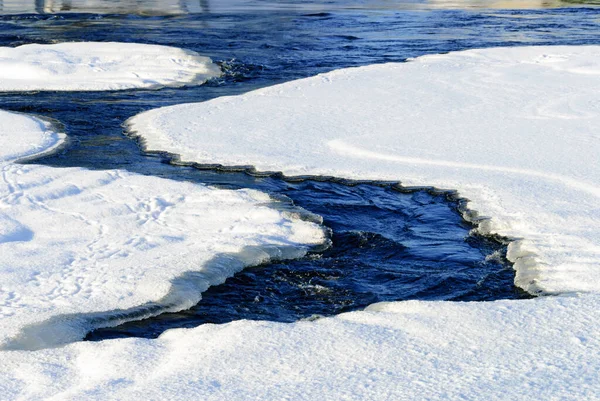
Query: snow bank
x=24, y=136
x=467, y=120
x=513, y=129
x=96, y=66
x=542, y=349
x=81, y=249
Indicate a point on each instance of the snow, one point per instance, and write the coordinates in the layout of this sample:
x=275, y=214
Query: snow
x=36, y=136
x=100, y=66
x=82, y=249
x=175, y=7
x=545, y=349
x=512, y=129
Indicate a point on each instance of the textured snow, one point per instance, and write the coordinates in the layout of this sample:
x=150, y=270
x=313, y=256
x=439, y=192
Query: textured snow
x=494, y=124
x=542, y=349
x=513, y=129
x=25, y=136
x=81, y=249
x=97, y=66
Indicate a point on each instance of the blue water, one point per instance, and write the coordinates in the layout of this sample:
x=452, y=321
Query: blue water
x=389, y=243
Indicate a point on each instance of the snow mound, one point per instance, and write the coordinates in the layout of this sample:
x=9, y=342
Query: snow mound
x=513, y=129
x=539, y=349
x=24, y=136
x=82, y=249
x=96, y=66
x=103, y=223
x=146, y=7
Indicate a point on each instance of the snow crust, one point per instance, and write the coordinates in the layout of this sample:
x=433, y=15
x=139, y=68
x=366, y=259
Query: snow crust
x=542, y=349
x=82, y=249
x=100, y=66
x=25, y=136
x=513, y=129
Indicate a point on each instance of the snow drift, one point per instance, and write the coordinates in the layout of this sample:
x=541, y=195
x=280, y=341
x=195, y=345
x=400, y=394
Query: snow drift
x=97, y=66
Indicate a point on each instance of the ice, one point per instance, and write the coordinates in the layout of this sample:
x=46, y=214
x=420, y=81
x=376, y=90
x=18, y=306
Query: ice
x=81, y=249
x=99, y=66
x=513, y=129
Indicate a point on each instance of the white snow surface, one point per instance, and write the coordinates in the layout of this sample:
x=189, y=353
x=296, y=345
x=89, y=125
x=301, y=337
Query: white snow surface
x=24, y=136
x=81, y=249
x=512, y=129
x=542, y=349
x=151, y=7
x=100, y=66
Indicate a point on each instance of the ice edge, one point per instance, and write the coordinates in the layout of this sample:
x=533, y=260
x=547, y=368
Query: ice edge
x=54, y=129
x=184, y=293
x=525, y=262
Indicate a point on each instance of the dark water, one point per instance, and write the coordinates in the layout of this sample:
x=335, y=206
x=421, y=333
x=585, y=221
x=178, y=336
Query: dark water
x=388, y=244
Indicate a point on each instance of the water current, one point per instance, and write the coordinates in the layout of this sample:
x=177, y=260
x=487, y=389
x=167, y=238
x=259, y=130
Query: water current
x=388, y=242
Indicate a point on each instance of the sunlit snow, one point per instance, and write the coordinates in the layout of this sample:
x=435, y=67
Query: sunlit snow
x=85, y=66
x=544, y=349
x=35, y=136
x=513, y=129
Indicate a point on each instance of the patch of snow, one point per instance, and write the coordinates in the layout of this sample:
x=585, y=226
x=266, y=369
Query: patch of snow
x=492, y=124
x=513, y=129
x=100, y=66
x=24, y=136
x=543, y=349
x=504, y=4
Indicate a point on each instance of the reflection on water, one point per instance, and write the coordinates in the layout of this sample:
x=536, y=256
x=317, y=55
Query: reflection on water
x=165, y=7
x=105, y=6
x=509, y=4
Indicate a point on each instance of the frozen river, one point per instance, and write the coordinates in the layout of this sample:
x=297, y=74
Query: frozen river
x=386, y=242
x=387, y=245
